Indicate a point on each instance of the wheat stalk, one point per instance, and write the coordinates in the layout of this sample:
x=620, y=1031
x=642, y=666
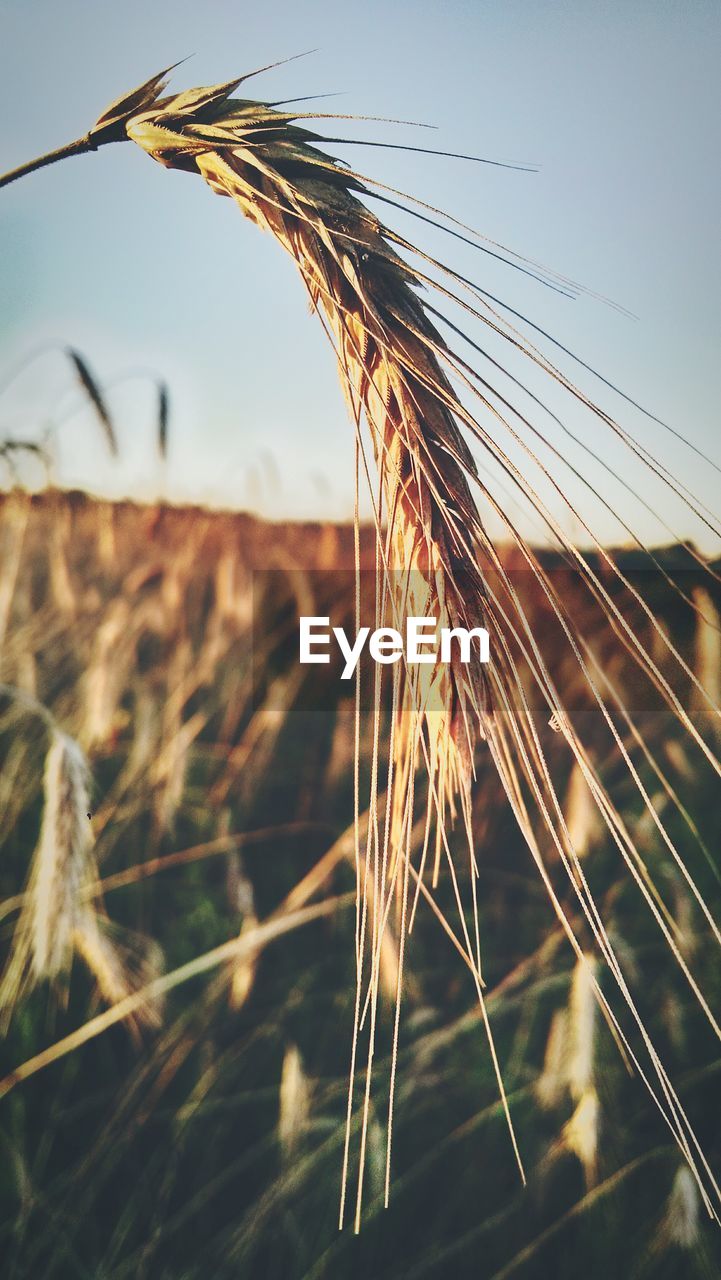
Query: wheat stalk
x=435, y=557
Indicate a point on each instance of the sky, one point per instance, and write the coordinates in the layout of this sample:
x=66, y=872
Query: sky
x=151, y=276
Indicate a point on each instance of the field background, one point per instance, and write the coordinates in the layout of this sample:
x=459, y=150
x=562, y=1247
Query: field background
x=212, y=1145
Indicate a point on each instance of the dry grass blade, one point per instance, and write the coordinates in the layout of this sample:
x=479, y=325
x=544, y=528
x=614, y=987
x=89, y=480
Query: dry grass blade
x=130, y=1005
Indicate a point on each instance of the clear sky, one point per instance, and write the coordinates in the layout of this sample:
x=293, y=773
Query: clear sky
x=618, y=103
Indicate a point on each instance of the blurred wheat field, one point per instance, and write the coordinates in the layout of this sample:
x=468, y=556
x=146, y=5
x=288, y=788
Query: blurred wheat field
x=204, y=1133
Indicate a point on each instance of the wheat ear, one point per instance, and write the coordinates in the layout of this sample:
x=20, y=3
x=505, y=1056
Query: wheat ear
x=431, y=539
x=62, y=912
x=434, y=555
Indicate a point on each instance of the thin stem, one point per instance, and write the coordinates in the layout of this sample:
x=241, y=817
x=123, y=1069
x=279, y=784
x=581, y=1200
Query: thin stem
x=275, y=926
x=88, y=143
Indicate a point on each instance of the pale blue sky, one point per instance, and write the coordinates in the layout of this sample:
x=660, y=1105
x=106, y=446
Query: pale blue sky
x=618, y=103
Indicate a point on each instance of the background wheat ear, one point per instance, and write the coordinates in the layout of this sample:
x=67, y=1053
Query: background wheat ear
x=95, y=394
x=62, y=914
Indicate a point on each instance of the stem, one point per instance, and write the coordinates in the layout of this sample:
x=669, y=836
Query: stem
x=88, y=143
x=275, y=926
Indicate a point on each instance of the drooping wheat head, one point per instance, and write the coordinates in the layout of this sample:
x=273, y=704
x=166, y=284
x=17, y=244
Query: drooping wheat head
x=407, y=389
x=435, y=557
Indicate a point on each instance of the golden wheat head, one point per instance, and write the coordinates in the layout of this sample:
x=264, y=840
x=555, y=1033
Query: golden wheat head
x=435, y=558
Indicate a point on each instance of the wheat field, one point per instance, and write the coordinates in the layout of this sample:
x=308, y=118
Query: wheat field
x=179, y=1139
x=445, y=948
